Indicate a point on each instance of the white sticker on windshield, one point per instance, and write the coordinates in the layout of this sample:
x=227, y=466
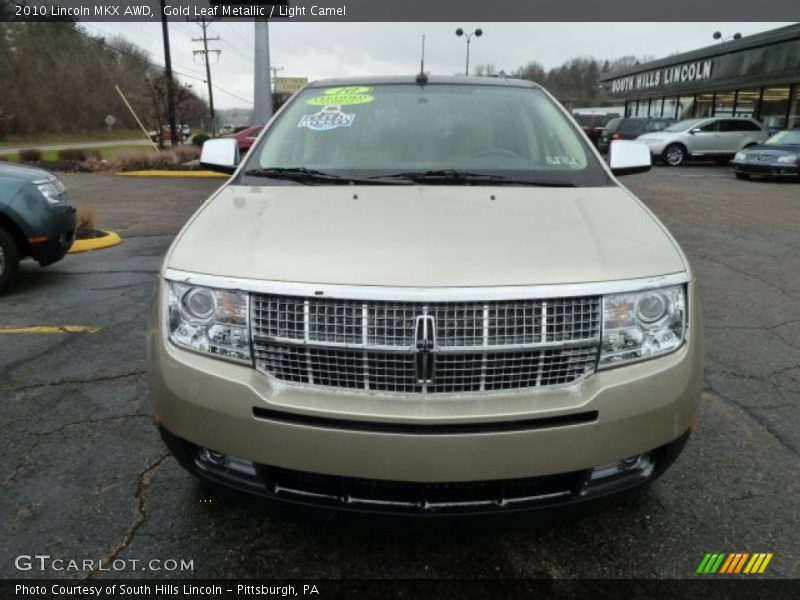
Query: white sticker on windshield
x=561, y=160
x=330, y=117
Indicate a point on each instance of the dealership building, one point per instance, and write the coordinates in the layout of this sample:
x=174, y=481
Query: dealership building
x=755, y=76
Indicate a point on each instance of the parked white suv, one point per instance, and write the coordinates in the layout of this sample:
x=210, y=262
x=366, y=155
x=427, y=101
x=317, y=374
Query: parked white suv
x=716, y=137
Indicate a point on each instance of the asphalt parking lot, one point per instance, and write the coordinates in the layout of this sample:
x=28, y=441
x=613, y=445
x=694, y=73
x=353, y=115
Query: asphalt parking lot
x=85, y=476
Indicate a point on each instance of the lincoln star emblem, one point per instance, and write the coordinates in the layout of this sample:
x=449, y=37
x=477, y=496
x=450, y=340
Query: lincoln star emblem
x=425, y=345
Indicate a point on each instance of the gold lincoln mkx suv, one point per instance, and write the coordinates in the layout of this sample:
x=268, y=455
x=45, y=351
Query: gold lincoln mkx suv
x=425, y=296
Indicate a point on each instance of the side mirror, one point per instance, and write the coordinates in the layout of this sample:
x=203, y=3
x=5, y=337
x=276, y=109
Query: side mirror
x=626, y=157
x=220, y=155
x=695, y=130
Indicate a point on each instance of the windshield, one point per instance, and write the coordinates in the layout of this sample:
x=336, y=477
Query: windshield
x=785, y=137
x=368, y=132
x=685, y=125
x=631, y=125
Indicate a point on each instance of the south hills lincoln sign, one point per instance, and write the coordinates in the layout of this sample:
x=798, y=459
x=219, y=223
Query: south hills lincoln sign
x=663, y=78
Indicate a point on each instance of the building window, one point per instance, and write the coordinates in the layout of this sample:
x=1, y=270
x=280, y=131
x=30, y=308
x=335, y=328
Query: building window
x=685, y=107
x=775, y=107
x=794, y=110
x=644, y=106
x=724, y=104
x=704, y=105
x=655, y=107
x=670, y=105
x=747, y=103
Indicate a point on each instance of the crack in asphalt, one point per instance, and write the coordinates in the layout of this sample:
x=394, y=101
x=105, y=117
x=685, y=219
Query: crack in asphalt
x=27, y=388
x=5, y=374
x=762, y=379
x=750, y=275
x=139, y=511
x=779, y=437
x=88, y=422
x=20, y=463
x=38, y=436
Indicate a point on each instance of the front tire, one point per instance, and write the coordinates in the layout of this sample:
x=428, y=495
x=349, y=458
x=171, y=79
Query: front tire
x=674, y=155
x=9, y=260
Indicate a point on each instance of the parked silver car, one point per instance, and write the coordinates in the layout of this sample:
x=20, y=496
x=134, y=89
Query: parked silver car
x=715, y=137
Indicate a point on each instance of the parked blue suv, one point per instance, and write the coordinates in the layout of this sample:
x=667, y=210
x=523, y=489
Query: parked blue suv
x=36, y=219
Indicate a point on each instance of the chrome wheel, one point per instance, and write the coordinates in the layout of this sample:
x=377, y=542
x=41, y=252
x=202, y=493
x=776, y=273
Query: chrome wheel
x=674, y=156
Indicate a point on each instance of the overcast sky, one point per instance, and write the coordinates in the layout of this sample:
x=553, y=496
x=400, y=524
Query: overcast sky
x=317, y=50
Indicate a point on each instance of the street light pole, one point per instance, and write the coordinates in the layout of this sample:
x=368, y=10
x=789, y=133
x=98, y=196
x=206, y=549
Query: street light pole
x=476, y=33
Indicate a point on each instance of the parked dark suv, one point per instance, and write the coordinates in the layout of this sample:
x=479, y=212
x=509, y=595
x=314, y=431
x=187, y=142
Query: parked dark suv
x=629, y=128
x=36, y=219
x=593, y=124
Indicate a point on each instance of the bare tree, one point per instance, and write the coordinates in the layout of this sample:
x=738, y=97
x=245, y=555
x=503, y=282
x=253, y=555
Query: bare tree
x=56, y=77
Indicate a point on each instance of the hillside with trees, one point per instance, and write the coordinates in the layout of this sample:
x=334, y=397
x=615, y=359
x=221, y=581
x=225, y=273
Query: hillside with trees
x=575, y=81
x=57, y=78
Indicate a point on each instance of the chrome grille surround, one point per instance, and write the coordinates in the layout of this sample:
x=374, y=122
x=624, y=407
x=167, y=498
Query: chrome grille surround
x=430, y=296
x=369, y=345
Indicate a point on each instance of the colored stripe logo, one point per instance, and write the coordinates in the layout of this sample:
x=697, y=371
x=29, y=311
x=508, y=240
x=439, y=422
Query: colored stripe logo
x=734, y=563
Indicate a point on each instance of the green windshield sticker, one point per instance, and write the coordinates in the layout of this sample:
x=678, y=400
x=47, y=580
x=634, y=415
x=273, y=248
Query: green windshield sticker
x=343, y=96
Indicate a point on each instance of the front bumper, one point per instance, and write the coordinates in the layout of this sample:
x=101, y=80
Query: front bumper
x=59, y=233
x=609, y=416
x=290, y=489
x=766, y=170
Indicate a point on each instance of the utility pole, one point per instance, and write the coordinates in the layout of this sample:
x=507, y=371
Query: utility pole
x=275, y=77
x=262, y=92
x=173, y=134
x=204, y=23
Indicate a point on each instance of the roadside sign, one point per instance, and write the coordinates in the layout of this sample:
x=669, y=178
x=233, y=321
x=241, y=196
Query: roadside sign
x=110, y=120
x=289, y=85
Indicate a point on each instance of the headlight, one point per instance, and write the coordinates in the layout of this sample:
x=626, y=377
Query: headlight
x=209, y=320
x=740, y=156
x=787, y=159
x=52, y=189
x=642, y=325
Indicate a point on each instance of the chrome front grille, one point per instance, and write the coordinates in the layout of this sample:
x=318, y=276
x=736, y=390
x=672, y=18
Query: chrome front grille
x=374, y=345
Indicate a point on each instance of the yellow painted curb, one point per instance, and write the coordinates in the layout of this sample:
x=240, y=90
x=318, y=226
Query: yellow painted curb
x=156, y=173
x=50, y=329
x=112, y=239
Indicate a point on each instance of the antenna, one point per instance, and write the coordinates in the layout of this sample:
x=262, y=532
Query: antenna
x=422, y=78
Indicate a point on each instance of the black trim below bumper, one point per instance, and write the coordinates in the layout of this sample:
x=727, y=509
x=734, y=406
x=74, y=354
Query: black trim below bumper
x=324, y=496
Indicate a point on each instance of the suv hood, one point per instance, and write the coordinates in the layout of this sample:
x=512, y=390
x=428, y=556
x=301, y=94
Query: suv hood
x=427, y=236
x=23, y=173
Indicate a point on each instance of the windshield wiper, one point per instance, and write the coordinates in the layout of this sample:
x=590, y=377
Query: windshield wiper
x=304, y=175
x=442, y=175
x=455, y=176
